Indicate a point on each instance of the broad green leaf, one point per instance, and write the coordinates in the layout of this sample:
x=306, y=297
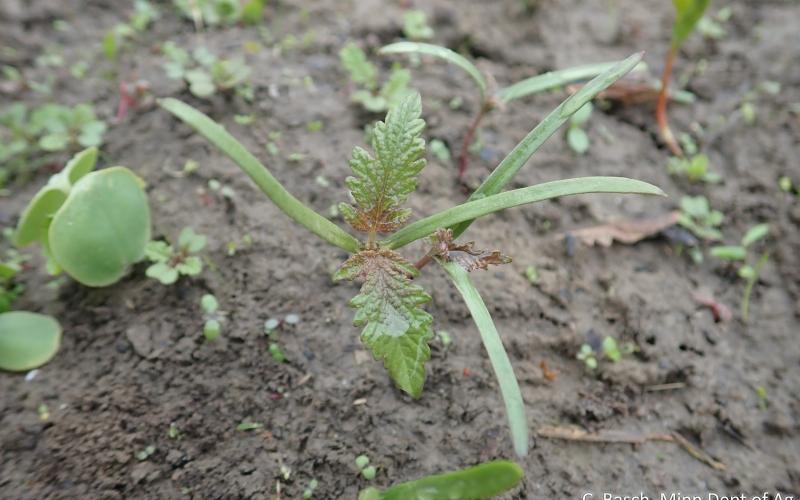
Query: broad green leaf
x=687, y=13
x=754, y=234
x=517, y=158
x=163, y=272
x=442, y=53
x=552, y=80
x=361, y=70
x=481, y=481
x=211, y=330
x=27, y=340
x=383, y=182
x=81, y=164
x=102, y=227
x=545, y=191
x=56, y=141
x=582, y=115
x=253, y=11
x=396, y=329
x=92, y=133
x=290, y=205
x=578, y=140
x=509, y=388
x=36, y=218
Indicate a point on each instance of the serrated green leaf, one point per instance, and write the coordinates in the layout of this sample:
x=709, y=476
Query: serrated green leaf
x=383, y=183
x=396, y=329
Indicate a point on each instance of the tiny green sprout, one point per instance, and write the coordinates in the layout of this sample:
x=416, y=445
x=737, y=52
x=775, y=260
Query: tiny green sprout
x=205, y=73
x=698, y=217
x=145, y=453
x=369, y=472
x=532, y=274
x=365, y=75
x=44, y=412
x=62, y=217
x=276, y=352
x=314, y=126
x=577, y=138
x=309, y=491
x=211, y=328
x=748, y=270
x=170, y=262
x=27, y=340
x=389, y=303
x=587, y=355
x=362, y=461
x=440, y=150
x=481, y=481
x=173, y=432
x=271, y=325
x=249, y=426
x=614, y=351
x=694, y=168
x=292, y=319
x=445, y=338
x=244, y=119
x=748, y=111
x=415, y=26
x=761, y=392
x=785, y=184
x=215, y=13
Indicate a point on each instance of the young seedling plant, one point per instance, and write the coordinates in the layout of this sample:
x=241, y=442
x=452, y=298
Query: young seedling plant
x=687, y=14
x=364, y=74
x=490, y=98
x=221, y=12
x=388, y=307
x=172, y=261
x=205, y=73
x=91, y=225
x=610, y=348
x=213, y=317
x=750, y=267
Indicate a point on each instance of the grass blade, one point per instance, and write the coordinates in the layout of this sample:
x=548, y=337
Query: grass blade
x=552, y=79
x=442, y=53
x=291, y=206
x=509, y=388
x=473, y=209
x=511, y=164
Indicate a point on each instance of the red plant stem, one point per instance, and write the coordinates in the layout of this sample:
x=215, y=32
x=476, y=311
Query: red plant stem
x=464, y=155
x=661, y=106
x=423, y=261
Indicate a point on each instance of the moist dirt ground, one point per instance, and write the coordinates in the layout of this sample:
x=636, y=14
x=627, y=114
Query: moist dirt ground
x=134, y=361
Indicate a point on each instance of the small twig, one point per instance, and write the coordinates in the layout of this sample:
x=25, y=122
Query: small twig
x=665, y=387
x=576, y=434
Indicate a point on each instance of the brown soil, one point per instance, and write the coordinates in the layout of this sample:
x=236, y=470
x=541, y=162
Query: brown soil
x=134, y=360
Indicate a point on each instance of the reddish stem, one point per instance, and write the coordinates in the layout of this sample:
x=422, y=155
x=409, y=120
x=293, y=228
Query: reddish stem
x=470, y=135
x=661, y=106
x=423, y=261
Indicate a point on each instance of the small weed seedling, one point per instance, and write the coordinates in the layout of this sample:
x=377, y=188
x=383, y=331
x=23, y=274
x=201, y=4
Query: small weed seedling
x=698, y=217
x=481, y=481
x=750, y=266
x=29, y=136
x=388, y=307
x=415, y=26
x=213, y=317
x=308, y=493
x=687, y=14
x=364, y=74
x=221, y=12
x=9, y=288
x=62, y=217
x=116, y=39
x=577, y=138
x=367, y=471
x=205, y=73
x=489, y=98
x=609, y=348
x=171, y=262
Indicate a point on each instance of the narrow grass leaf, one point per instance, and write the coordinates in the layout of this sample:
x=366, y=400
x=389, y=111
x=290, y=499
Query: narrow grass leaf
x=551, y=80
x=473, y=209
x=509, y=388
x=291, y=206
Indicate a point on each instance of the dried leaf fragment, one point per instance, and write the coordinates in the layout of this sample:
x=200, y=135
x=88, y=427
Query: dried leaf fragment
x=628, y=231
x=465, y=255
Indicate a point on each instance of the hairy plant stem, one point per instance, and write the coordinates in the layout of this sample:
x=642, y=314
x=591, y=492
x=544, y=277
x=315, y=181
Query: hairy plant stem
x=661, y=106
x=463, y=156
